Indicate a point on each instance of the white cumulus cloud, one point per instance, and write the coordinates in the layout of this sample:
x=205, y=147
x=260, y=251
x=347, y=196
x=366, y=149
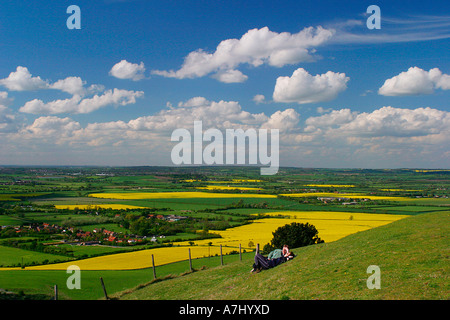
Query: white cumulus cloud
x=51, y=127
x=256, y=47
x=333, y=119
x=7, y=120
x=398, y=122
x=259, y=98
x=128, y=70
x=75, y=86
x=282, y=120
x=382, y=122
x=415, y=81
x=384, y=137
x=194, y=102
x=303, y=88
x=77, y=104
x=230, y=76
x=22, y=80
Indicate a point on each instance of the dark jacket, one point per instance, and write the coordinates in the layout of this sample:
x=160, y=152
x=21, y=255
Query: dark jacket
x=276, y=261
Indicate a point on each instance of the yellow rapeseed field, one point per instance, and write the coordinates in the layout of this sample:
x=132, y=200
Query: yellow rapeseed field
x=331, y=226
x=136, y=259
x=176, y=195
x=227, y=188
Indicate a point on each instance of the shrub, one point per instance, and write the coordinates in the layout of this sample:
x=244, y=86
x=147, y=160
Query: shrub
x=295, y=235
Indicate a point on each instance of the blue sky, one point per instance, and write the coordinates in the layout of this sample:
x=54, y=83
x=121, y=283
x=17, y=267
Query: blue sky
x=340, y=94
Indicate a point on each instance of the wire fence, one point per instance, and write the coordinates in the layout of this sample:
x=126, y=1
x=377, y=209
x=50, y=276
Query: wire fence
x=155, y=277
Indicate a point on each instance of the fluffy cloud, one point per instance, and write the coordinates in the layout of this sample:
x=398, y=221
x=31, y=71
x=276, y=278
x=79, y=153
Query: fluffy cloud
x=397, y=122
x=194, y=102
x=128, y=70
x=22, y=80
x=4, y=99
x=303, y=88
x=213, y=114
x=384, y=137
x=415, y=81
x=256, y=47
x=383, y=122
x=75, y=86
x=333, y=119
x=78, y=105
x=230, y=76
x=72, y=85
x=259, y=98
x=337, y=125
x=7, y=120
x=282, y=120
x=51, y=127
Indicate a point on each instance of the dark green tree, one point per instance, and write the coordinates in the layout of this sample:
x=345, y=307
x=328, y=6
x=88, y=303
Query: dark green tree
x=295, y=235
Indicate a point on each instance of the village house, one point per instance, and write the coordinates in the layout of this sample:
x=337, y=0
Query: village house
x=173, y=218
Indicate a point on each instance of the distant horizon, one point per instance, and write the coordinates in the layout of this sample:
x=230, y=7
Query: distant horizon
x=211, y=166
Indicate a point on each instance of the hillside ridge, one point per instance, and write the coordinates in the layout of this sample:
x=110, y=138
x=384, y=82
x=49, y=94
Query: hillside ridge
x=412, y=264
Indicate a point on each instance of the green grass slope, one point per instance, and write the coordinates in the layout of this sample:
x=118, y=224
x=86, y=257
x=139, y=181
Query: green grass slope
x=412, y=254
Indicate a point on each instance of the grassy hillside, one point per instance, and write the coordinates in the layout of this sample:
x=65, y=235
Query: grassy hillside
x=413, y=256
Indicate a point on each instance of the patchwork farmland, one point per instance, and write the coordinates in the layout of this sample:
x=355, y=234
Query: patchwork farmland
x=115, y=220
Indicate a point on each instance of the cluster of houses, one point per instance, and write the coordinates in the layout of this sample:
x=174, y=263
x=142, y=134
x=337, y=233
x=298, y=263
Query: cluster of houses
x=16, y=183
x=331, y=199
x=82, y=237
x=119, y=237
x=170, y=217
x=34, y=227
x=104, y=235
x=96, y=236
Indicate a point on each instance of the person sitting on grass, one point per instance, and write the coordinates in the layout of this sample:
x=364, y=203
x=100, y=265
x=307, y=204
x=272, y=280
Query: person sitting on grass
x=274, y=258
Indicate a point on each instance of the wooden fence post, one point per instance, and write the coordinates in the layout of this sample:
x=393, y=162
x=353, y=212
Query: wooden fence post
x=104, y=289
x=240, y=253
x=257, y=248
x=190, y=261
x=56, y=292
x=153, y=266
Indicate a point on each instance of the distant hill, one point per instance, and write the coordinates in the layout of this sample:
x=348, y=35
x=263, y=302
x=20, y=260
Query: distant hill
x=412, y=254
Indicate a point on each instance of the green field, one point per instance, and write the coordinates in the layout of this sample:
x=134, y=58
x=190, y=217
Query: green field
x=416, y=209
x=28, y=196
x=13, y=256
